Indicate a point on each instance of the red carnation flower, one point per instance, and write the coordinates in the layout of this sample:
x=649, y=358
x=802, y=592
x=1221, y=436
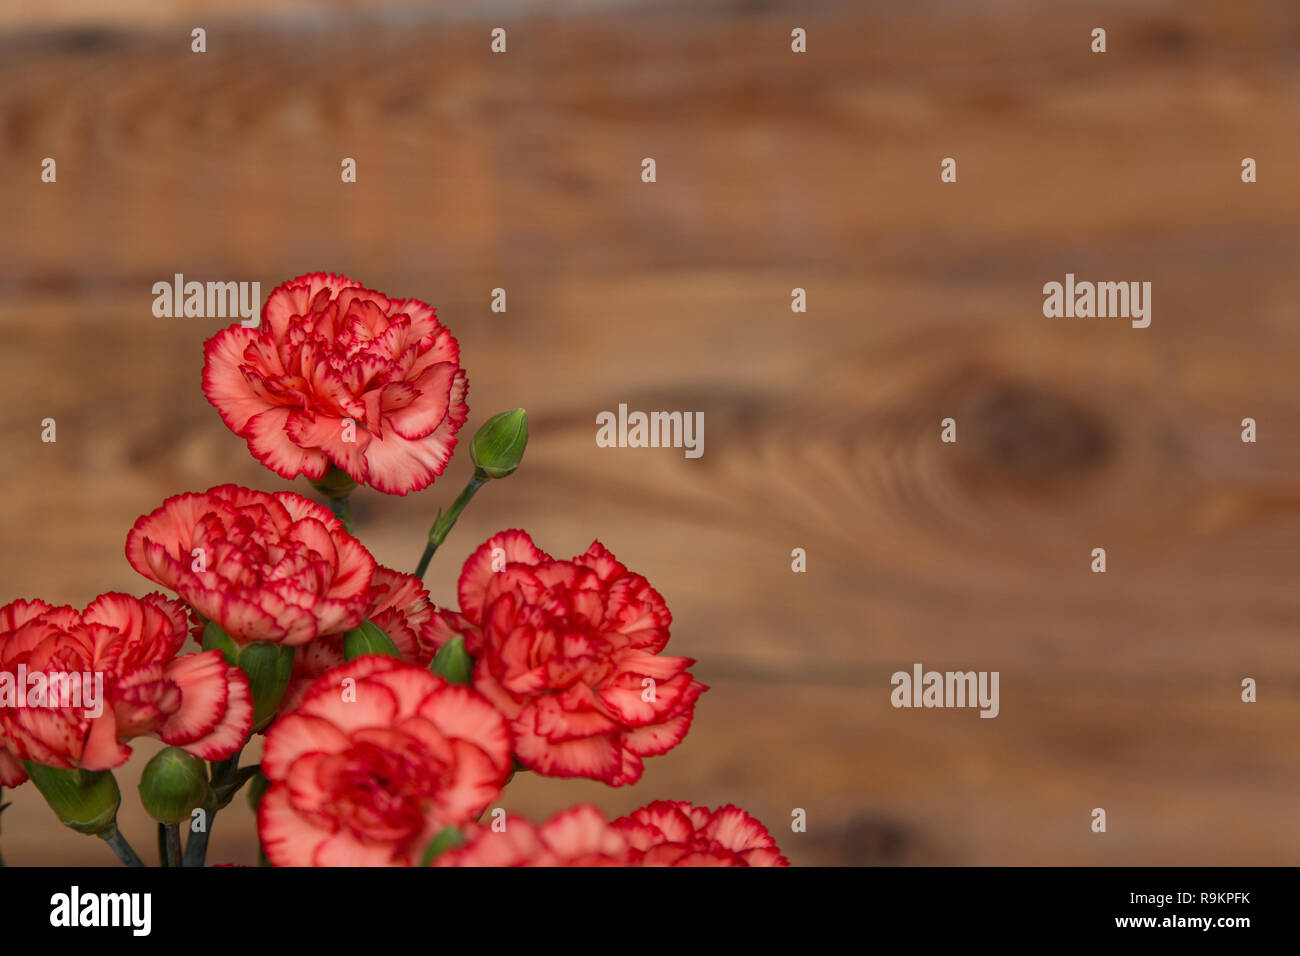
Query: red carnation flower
x=666, y=833
x=672, y=833
x=577, y=837
x=378, y=758
x=329, y=353
x=400, y=606
x=569, y=652
x=193, y=701
x=275, y=568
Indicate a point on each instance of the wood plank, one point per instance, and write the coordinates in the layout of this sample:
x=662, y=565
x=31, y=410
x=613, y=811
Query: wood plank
x=822, y=429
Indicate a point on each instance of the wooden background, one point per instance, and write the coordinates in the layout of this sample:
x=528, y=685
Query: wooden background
x=775, y=170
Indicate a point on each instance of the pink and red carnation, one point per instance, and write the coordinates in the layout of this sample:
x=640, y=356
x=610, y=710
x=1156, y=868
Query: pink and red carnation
x=569, y=651
x=673, y=833
x=378, y=758
x=343, y=375
x=665, y=833
x=266, y=567
x=193, y=701
x=577, y=837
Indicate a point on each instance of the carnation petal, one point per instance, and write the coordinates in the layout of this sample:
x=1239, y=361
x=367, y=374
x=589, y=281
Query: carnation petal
x=343, y=849
x=11, y=769
x=169, y=528
x=295, y=296
x=557, y=724
x=324, y=432
x=658, y=739
x=516, y=845
x=462, y=713
x=420, y=417
x=269, y=442
x=17, y=613
x=297, y=734
x=596, y=757
x=583, y=831
x=602, y=561
x=204, y=696
x=397, y=465
x=476, y=783
x=737, y=830
x=287, y=838
x=230, y=733
x=103, y=751
x=224, y=383
x=516, y=547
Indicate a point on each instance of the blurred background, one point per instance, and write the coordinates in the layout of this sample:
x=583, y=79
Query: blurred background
x=775, y=171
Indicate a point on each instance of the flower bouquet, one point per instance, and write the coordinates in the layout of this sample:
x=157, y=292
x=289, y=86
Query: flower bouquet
x=391, y=726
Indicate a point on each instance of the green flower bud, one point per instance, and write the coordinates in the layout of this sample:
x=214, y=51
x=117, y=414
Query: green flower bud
x=173, y=784
x=85, y=800
x=269, y=667
x=369, y=638
x=452, y=662
x=498, y=446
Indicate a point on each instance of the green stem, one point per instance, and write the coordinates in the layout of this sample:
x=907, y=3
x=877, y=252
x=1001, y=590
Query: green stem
x=342, y=508
x=225, y=771
x=169, y=844
x=196, y=847
x=337, y=485
x=226, y=779
x=442, y=525
x=113, y=837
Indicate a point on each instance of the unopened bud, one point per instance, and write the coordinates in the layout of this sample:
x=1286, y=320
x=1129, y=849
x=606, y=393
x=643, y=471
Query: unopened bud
x=173, y=784
x=498, y=446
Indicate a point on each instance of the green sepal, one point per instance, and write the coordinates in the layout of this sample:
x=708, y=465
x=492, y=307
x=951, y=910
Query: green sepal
x=369, y=638
x=452, y=662
x=84, y=800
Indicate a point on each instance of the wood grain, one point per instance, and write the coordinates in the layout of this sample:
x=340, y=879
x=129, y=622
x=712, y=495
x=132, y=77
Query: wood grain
x=822, y=430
